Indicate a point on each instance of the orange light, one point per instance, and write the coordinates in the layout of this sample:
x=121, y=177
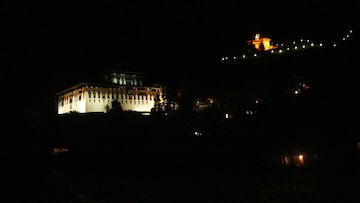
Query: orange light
x=301, y=159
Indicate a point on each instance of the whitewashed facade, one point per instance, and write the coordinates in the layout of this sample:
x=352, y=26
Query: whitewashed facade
x=125, y=87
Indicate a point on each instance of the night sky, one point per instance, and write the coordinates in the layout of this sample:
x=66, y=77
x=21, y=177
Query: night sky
x=50, y=46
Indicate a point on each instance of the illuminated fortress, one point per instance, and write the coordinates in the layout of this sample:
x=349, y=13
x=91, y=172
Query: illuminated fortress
x=263, y=45
x=121, y=90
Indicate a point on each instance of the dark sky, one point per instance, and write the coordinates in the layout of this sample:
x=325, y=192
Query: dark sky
x=51, y=45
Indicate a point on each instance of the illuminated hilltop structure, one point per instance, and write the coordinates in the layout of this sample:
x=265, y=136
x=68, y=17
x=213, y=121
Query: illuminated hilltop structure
x=261, y=44
x=121, y=90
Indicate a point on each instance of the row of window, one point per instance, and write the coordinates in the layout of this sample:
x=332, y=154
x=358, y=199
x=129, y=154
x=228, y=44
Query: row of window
x=122, y=102
x=117, y=96
x=124, y=81
x=108, y=101
x=121, y=89
x=124, y=98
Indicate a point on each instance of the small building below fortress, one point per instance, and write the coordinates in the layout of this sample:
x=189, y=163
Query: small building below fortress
x=120, y=89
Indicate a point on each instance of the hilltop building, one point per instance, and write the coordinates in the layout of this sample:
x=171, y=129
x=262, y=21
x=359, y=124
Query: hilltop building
x=261, y=43
x=120, y=90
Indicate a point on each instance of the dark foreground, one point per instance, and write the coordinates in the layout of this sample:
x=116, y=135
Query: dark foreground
x=94, y=159
x=188, y=171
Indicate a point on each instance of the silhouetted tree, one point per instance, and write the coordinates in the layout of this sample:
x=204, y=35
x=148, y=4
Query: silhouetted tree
x=157, y=109
x=116, y=107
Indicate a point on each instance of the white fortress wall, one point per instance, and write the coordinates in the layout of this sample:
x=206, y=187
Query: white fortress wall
x=88, y=99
